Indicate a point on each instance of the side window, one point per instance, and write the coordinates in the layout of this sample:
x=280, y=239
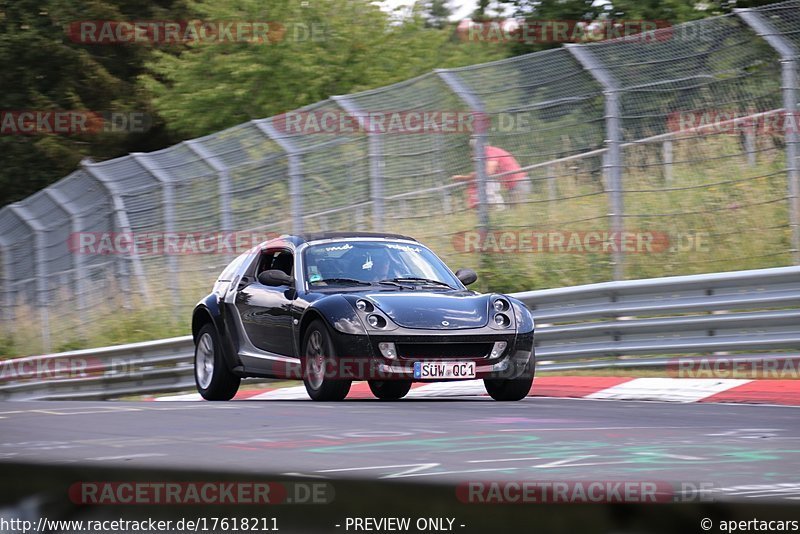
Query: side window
x=230, y=271
x=280, y=259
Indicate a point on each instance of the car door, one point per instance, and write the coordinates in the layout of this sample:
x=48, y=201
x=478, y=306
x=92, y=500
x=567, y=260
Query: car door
x=266, y=311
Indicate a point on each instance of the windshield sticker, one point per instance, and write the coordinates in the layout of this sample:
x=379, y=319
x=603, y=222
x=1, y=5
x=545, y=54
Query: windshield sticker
x=406, y=248
x=316, y=277
x=346, y=246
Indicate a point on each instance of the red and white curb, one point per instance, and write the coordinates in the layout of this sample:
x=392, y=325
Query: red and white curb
x=786, y=392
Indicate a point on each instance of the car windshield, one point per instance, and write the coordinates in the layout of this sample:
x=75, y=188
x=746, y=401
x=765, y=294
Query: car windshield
x=357, y=263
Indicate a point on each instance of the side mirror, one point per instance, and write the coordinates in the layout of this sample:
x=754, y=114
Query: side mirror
x=467, y=276
x=274, y=277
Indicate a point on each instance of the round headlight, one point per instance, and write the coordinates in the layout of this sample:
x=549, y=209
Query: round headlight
x=376, y=321
x=502, y=320
x=500, y=305
x=364, y=306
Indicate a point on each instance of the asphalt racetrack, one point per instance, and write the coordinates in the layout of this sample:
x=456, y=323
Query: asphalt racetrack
x=740, y=452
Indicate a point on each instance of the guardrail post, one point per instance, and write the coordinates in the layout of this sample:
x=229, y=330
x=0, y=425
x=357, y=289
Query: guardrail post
x=123, y=223
x=36, y=227
x=77, y=256
x=789, y=86
x=612, y=162
x=452, y=80
x=295, y=171
x=376, y=163
x=223, y=187
x=168, y=200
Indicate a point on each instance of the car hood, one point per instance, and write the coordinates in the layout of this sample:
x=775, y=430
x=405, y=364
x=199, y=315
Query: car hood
x=434, y=310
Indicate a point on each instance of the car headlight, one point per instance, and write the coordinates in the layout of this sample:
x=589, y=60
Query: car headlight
x=501, y=305
x=364, y=306
x=376, y=321
x=502, y=320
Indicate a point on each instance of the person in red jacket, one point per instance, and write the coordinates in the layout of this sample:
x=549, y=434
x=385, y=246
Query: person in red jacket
x=498, y=161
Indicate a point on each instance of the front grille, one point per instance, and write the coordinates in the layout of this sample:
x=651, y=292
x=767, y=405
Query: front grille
x=420, y=351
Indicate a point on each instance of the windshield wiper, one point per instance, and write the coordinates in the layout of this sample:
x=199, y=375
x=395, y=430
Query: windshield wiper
x=350, y=281
x=395, y=284
x=416, y=279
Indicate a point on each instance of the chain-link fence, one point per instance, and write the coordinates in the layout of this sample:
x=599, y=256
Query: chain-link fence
x=672, y=152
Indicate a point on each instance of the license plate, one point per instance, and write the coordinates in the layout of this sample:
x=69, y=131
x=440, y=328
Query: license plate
x=444, y=370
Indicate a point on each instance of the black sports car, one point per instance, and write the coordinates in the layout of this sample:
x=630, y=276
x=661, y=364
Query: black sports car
x=337, y=307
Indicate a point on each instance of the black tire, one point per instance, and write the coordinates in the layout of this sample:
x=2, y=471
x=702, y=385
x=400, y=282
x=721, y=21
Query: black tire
x=318, y=351
x=390, y=389
x=214, y=380
x=508, y=390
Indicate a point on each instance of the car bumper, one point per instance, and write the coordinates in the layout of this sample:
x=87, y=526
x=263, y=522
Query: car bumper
x=362, y=359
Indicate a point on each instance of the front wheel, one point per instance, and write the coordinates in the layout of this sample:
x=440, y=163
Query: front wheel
x=508, y=390
x=319, y=362
x=214, y=380
x=390, y=389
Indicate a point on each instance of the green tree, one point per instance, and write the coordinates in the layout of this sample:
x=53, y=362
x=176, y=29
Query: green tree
x=329, y=48
x=436, y=12
x=44, y=70
x=672, y=11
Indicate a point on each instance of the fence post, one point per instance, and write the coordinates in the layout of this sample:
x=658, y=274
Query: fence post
x=668, y=155
x=168, y=199
x=36, y=227
x=452, y=80
x=552, y=187
x=295, y=171
x=123, y=222
x=438, y=164
x=789, y=86
x=223, y=188
x=612, y=162
x=376, y=163
x=8, y=294
x=750, y=145
x=77, y=257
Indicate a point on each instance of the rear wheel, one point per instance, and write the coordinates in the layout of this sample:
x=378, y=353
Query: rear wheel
x=508, y=390
x=390, y=389
x=319, y=359
x=211, y=374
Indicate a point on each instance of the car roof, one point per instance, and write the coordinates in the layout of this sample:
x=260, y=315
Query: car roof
x=345, y=235
x=299, y=239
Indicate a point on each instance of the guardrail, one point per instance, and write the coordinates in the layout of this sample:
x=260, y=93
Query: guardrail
x=756, y=310
x=582, y=327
